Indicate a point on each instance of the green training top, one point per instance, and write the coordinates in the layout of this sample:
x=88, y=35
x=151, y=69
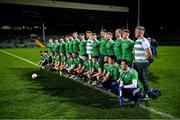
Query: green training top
x=82, y=47
x=103, y=50
x=117, y=49
x=127, y=48
x=95, y=48
x=128, y=76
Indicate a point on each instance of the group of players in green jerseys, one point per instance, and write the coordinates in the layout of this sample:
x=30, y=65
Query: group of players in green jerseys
x=104, y=62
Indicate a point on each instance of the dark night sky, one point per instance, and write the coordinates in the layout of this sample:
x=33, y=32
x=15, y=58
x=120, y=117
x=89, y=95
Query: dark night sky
x=160, y=14
x=156, y=15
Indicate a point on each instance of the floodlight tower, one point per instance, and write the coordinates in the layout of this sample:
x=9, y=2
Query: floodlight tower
x=138, y=13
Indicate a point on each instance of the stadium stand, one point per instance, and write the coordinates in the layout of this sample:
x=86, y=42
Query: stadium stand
x=170, y=38
x=19, y=41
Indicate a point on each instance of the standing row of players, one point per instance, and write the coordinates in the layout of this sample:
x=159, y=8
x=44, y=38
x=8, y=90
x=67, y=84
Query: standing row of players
x=104, y=62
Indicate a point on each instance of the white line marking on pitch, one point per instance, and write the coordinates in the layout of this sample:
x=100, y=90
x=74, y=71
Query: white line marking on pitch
x=20, y=58
x=141, y=105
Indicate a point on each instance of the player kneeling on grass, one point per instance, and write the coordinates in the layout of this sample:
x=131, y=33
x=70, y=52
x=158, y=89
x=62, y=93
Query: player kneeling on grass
x=132, y=88
x=112, y=74
x=86, y=68
x=62, y=63
x=96, y=71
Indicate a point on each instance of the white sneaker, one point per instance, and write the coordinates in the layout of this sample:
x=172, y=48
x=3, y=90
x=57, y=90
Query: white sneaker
x=94, y=83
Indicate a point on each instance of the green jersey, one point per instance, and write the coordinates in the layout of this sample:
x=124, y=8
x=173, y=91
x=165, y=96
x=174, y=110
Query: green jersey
x=106, y=67
x=62, y=47
x=76, y=45
x=127, y=48
x=128, y=76
x=95, y=48
x=46, y=58
x=70, y=46
x=82, y=47
x=117, y=49
x=67, y=47
x=55, y=59
x=63, y=60
x=51, y=47
x=110, y=47
x=96, y=67
x=69, y=62
x=87, y=65
x=103, y=42
x=56, y=46
x=114, y=70
x=78, y=61
x=41, y=57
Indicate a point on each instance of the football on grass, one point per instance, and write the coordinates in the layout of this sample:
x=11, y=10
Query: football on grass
x=34, y=76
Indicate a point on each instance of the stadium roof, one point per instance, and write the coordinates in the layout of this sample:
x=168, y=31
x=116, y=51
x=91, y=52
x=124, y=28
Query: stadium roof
x=155, y=15
x=71, y=5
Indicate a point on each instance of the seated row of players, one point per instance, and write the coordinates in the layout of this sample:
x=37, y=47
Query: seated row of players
x=106, y=77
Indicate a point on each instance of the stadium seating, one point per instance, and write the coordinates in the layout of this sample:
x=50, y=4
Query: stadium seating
x=19, y=41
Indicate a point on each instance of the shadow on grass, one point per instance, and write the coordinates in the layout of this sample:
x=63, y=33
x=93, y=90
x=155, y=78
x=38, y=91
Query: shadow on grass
x=70, y=91
x=152, y=77
x=55, y=85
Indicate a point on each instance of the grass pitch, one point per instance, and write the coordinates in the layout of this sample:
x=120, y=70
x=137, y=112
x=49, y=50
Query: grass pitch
x=52, y=96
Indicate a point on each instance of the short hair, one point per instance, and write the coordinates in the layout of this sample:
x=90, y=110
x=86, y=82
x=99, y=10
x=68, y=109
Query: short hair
x=140, y=28
x=76, y=53
x=61, y=37
x=85, y=55
x=113, y=57
x=119, y=30
x=93, y=34
x=125, y=61
x=126, y=30
x=62, y=53
x=89, y=32
x=46, y=51
x=106, y=55
x=96, y=57
x=82, y=34
x=66, y=36
x=103, y=30
x=75, y=32
x=68, y=54
x=110, y=33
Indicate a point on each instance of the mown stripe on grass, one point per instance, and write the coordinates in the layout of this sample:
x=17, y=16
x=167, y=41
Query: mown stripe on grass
x=141, y=105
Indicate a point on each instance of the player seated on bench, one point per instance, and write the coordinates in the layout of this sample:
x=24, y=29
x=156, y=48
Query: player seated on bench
x=62, y=63
x=105, y=67
x=69, y=64
x=132, y=88
x=77, y=63
x=41, y=57
x=112, y=74
x=45, y=60
x=55, y=61
x=86, y=68
x=96, y=71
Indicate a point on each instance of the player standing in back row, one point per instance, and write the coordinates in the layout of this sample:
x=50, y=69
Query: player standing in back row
x=127, y=46
x=117, y=46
